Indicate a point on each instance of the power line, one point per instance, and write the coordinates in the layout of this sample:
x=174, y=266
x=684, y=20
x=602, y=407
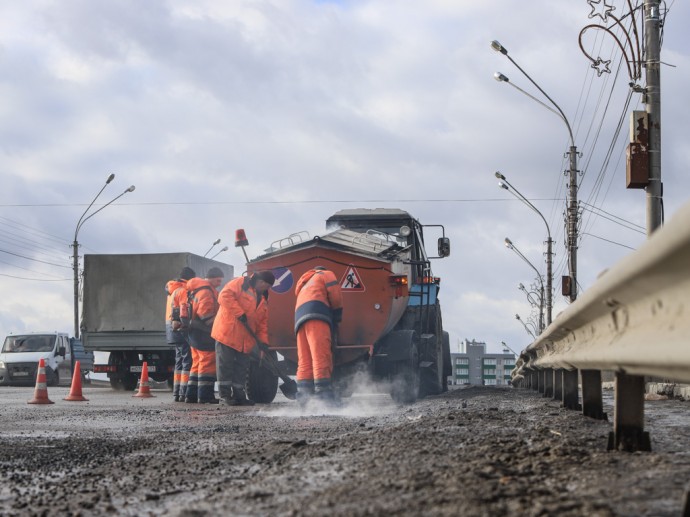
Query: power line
x=35, y=260
x=607, y=240
x=36, y=279
x=304, y=202
x=614, y=216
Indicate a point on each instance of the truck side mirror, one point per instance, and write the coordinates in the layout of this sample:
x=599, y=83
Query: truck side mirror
x=443, y=247
x=61, y=350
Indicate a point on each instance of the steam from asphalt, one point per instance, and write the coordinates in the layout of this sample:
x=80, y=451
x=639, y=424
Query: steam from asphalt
x=369, y=399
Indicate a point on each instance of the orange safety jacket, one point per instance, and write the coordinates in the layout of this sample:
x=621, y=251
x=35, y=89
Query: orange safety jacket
x=238, y=297
x=319, y=297
x=170, y=288
x=204, y=298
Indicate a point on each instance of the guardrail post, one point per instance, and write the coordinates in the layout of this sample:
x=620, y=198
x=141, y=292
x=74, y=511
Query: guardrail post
x=592, y=405
x=628, y=416
x=571, y=397
x=558, y=384
x=548, y=382
x=540, y=376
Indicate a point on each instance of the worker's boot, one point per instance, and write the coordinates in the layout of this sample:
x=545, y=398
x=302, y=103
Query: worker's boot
x=305, y=392
x=323, y=392
x=191, y=395
x=239, y=398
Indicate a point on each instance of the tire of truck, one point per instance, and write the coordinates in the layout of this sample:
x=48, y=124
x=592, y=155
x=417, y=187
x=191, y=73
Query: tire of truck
x=405, y=377
x=124, y=381
x=261, y=385
x=433, y=380
x=52, y=377
x=447, y=366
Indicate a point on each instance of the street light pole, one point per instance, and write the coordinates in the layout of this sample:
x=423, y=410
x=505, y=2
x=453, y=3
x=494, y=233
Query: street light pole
x=509, y=244
x=517, y=317
x=572, y=171
x=504, y=183
x=216, y=242
x=75, y=246
x=225, y=248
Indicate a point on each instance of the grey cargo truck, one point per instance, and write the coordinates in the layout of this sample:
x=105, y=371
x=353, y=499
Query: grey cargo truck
x=124, y=312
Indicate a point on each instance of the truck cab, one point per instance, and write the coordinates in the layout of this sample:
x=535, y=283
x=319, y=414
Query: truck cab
x=21, y=353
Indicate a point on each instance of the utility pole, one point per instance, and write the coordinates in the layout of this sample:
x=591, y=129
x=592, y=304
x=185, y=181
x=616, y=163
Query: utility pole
x=653, y=108
x=572, y=221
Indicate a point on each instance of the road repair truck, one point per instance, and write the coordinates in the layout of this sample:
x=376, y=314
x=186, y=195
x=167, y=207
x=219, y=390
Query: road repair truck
x=391, y=327
x=124, y=312
x=21, y=353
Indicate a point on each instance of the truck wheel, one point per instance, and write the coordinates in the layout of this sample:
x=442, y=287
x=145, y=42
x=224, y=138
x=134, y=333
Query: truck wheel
x=405, y=378
x=447, y=362
x=431, y=377
x=52, y=377
x=129, y=382
x=116, y=384
x=262, y=385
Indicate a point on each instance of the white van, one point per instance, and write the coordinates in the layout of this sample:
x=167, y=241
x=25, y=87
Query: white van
x=21, y=353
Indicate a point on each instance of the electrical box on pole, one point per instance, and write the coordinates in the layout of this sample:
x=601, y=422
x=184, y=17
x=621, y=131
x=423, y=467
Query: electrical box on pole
x=637, y=166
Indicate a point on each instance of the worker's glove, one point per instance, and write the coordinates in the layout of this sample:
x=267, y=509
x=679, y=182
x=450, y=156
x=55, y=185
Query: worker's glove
x=243, y=318
x=260, y=349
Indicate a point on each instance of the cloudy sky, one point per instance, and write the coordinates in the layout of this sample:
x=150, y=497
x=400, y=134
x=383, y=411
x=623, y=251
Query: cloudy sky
x=269, y=115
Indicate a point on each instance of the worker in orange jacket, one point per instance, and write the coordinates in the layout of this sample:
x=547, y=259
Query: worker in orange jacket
x=176, y=335
x=243, y=301
x=318, y=310
x=203, y=298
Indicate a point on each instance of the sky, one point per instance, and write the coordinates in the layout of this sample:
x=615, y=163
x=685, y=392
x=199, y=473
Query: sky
x=270, y=115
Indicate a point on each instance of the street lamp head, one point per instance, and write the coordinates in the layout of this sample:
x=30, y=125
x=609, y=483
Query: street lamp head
x=498, y=47
x=499, y=175
x=501, y=78
x=502, y=185
x=110, y=178
x=508, y=243
x=224, y=248
x=130, y=189
x=517, y=316
x=521, y=286
x=217, y=241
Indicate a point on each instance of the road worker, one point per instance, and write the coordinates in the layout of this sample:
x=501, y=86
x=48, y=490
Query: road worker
x=318, y=310
x=243, y=303
x=203, y=300
x=176, y=290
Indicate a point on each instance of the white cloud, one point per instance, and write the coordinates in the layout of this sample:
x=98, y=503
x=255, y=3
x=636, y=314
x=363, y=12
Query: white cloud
x=297, y=103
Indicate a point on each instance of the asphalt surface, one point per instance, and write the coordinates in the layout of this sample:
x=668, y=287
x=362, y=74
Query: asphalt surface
x=481, y=451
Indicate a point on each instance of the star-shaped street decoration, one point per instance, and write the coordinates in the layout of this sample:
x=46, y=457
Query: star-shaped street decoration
x=601, y=66
x=599, y=7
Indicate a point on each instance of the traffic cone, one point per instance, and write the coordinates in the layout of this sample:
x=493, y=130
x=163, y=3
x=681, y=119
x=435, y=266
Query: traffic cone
x=144, y=385
x=75, y=391
x=41, y=391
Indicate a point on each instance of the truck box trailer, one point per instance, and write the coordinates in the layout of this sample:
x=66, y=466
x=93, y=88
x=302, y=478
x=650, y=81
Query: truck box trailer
x=124, y=311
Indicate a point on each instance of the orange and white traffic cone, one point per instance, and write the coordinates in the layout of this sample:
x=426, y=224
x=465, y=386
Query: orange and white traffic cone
x=75, y=391
x=144, y=385
x=41, y=391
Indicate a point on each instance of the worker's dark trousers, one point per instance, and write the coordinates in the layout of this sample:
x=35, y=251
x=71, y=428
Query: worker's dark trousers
x=232, y=368
x=183, y=365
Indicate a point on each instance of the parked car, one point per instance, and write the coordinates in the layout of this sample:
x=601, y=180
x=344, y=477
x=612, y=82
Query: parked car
x=21, y=353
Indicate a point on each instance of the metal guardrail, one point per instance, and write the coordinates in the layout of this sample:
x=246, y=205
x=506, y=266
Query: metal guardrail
x=635, y=321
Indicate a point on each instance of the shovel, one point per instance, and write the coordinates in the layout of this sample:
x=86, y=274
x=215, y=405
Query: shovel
x=289, y=387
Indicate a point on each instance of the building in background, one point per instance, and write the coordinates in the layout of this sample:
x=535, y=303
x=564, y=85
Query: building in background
x=474, y=366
